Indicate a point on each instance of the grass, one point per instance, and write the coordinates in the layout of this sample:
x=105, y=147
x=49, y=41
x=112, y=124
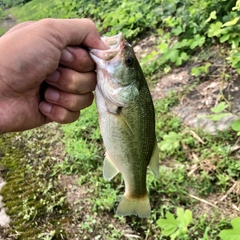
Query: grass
x=32, y=196
x=37, y=9
x=198, y=173
x=191, y=172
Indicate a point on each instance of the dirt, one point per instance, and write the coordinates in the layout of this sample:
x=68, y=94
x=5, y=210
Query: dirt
x=8, y=22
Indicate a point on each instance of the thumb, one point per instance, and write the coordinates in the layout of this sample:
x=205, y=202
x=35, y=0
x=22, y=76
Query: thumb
x=73, y=32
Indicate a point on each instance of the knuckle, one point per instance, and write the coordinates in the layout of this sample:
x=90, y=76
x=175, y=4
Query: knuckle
x=46, y=22
x=89, y=22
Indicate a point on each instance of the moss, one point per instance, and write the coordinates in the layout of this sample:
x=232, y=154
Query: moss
x=31, y=195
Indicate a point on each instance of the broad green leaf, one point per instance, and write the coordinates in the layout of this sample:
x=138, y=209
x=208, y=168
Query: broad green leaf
x=168, y=225
x=173, y=55
x=231, y=234
x=184, y=217
x=213, y=15
x=215, y=29
x=236, y=223
x=187, y=217
x=220, y=107
x=224, y=38
x=177, y=31
x=231, y=23
x=236, y=125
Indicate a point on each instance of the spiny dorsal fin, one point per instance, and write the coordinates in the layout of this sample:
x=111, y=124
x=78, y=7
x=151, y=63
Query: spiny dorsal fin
x=154, y=162
x=109, y=170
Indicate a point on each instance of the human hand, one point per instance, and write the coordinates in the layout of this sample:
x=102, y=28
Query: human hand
x=47, y=50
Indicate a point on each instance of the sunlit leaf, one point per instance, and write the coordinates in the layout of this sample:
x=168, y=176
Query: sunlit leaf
x=231, y=23
x=220, y=107
x=231, y=234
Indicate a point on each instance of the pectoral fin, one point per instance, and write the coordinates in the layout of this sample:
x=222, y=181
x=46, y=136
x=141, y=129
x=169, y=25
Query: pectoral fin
x=109, y=170
x=125, y=123
x=154, y=162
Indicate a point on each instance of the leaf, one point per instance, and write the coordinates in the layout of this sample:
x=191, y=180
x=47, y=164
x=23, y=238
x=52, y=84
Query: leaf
x=217, y=117
x=215, y=29
x=184, y=219
x=231, y=23
x=231, y=234
x=236, y=125
x=212, y=16
x=168, y=225
x=236, y=223
x=177, y=31
x=220, y=107
x=224, y=38
x=173, y=55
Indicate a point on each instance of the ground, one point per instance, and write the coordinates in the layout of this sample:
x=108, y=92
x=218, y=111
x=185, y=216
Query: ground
x=208, y=90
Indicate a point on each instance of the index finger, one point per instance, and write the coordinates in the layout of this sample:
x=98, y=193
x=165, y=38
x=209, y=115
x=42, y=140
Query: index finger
x=73, y=32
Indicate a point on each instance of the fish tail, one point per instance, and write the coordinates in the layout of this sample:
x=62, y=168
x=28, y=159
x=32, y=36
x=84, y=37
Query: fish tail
x=136, y=206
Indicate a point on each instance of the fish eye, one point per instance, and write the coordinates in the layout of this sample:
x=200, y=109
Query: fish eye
x=129, y=61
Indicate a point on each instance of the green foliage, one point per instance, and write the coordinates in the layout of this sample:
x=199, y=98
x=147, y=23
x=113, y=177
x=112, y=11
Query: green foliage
x=218, y=113
x=2, y=31
x=36, y=9
x=227, y=29
x=170, y=142
x=11, y=3
x=197, y=71
x=181, y=27
x=31, y=195
x=231, y=234
x=82, y=140
x=175, y=227
x=236, y=126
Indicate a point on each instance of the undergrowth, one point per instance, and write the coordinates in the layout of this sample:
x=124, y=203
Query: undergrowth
x=32, y=195
x=198, y=188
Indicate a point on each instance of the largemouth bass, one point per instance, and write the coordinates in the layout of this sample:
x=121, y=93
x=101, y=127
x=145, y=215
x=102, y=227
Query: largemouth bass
x=127, y=123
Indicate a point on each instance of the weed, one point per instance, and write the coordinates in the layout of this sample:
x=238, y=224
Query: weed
x=176, y=227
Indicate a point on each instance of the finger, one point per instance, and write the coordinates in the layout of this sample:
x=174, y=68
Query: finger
x=71, y=81
x=77, y=59
x=73, y=32
x=72, y=102
x=58, y=113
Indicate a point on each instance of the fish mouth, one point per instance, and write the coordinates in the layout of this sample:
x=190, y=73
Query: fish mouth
x=115, y=43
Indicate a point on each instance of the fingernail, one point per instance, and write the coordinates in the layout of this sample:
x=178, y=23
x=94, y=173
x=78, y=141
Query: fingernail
x=66, y=56
x=45, y=107
x=52, y=95
x=53, y=77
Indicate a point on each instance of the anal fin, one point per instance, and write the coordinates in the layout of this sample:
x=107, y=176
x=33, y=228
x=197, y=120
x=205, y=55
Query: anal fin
x=109, y=170
x=154, y=162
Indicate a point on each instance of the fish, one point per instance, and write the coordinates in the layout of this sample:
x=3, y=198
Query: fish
x=127, y=123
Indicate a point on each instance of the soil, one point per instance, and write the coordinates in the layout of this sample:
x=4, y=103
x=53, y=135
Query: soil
x=8, y=22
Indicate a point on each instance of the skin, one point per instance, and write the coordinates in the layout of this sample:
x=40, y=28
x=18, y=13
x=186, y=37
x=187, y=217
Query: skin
x=46, y=51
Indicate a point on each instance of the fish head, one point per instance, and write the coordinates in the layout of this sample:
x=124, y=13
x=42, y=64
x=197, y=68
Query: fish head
x=118, y=71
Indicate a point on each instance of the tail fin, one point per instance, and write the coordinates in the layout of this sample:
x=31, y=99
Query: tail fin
x=136, y=206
